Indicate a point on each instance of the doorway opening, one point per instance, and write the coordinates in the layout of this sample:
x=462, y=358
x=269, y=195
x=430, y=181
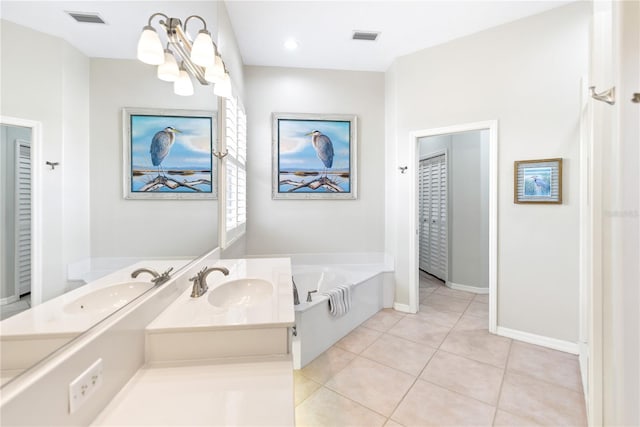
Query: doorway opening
x=455, y=205
x=20, y=215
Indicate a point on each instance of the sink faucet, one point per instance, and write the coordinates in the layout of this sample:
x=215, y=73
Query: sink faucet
x=158, y=279
x=200, y=280
x=296, y=298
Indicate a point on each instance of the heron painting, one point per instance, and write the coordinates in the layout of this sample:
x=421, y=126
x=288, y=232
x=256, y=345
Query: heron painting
x=314, y=156
x=538, y=181
x=169, y=154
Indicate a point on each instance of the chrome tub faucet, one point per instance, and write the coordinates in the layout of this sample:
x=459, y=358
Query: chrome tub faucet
x=200, y=280
x=158, y=279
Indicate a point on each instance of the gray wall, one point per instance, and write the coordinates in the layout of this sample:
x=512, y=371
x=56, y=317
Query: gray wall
x=145, y=228
x=57, y=96
x=527, y=75
x=468, y=204
x=299, y=226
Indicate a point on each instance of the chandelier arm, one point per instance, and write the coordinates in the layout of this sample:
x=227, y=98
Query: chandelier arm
x=197, y=17
x=157, y=14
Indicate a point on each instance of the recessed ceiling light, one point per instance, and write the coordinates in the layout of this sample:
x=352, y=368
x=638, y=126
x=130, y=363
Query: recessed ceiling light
x=291, y=44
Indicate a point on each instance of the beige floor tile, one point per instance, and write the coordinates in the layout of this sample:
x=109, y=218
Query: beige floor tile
x=478, y=345
x=468, y=377
x=399, y=353
x=545, y=364
x=392, y=423
x=479, y=309
x=430, y=405
x=482, y=298
x=359, y=339
x=470, y=323
x=443, y=302
x=371, y=384
x=327, y=364
x=455, y=293
x=506, y=419
x=437, y=315
x=327, y=408
x=543, y=402
x=383, y=320
x=427, y=281
x=424, y=293
x=303, y=387
x=420, y=331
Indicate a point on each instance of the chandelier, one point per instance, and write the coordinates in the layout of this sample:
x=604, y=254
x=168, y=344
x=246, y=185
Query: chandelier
x=181, y=58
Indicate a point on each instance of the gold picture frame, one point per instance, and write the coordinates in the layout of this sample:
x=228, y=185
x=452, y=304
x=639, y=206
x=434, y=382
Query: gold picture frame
x=537, y=181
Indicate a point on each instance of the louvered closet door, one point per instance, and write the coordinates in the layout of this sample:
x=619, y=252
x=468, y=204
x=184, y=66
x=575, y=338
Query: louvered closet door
x=23, y=217
x=432, y=213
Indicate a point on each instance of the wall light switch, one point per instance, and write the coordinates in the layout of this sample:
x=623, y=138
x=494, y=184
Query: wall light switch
x=85, y=385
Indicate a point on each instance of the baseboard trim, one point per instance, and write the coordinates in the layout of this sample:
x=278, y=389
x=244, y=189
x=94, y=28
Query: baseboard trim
x=466, y=288
x=553, y=343
x=402, y=307
x=9, y=300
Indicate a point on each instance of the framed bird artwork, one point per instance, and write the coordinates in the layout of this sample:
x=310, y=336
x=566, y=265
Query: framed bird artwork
x=314, y=156
x=168, y=154
x=538, y=181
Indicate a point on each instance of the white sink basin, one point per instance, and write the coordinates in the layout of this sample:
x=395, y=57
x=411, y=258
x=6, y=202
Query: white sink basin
x=107, y=300
x=241, y=293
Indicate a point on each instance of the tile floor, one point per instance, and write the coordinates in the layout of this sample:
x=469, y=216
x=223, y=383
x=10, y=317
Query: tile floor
x=440, y=367
x=21, y=305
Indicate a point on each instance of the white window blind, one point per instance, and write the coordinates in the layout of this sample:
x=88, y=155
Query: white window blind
x=235, y=172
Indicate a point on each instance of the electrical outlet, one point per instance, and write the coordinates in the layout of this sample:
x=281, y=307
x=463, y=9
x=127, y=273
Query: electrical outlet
x=85, y=385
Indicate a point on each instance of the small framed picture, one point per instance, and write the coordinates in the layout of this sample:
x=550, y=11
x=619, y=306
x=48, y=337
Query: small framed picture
x=538, y=181
x=168, y=154
x=314, y=156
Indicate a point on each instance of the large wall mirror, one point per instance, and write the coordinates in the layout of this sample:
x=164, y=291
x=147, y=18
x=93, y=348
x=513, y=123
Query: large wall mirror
x=65, y=224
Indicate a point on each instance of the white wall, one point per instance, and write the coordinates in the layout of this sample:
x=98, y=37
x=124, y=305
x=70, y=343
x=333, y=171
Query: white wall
x=55, y=95
x=468, y=204
x=297, y=226
x=525, y=74
x=140, y=228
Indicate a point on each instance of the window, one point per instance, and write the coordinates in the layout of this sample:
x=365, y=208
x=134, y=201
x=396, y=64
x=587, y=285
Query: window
x=234, y=173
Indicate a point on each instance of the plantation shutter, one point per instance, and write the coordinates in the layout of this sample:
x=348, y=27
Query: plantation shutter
x=235, y=172
x=432, y=187
x=23, y=217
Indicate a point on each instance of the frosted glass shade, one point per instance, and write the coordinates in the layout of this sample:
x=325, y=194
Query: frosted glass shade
x=183, y=86
x=215, y=73
x=168, y=71
x=223, y=87
x=150, y=50
x=202, y=51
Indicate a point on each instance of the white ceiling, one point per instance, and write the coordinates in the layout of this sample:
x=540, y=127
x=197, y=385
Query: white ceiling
x=322, y=28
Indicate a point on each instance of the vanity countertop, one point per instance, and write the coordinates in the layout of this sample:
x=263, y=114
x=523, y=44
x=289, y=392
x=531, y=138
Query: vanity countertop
x=188, y=314
x=238, y=394
x=49, y=319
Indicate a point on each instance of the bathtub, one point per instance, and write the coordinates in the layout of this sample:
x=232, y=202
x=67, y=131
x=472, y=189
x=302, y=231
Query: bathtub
x=372, y=288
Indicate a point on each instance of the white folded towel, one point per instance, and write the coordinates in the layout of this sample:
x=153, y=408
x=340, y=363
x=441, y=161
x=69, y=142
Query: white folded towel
x=339, y=300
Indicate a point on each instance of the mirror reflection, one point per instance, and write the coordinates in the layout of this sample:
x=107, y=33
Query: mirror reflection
x=70, y=240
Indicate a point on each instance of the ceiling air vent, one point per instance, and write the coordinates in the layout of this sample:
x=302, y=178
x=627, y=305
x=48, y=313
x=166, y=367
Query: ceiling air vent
x=365, y=35
x=87, y=18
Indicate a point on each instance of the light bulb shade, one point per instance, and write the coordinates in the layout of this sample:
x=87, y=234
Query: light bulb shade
x=223, y=87
x=183, y=86
x=150, y=50
x=215, y=73
x=168, y=71
x=202, y=51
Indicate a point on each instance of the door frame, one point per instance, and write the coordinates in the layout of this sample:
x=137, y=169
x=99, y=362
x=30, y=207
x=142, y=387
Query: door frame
x=430, y=155
x=414, y=158
x=36, y=202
